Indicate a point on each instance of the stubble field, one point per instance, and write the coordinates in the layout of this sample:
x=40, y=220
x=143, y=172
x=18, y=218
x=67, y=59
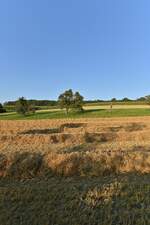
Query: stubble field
x=83, y=171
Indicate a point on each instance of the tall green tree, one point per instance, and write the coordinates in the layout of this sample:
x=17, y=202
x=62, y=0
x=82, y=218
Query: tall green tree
x=65, y=100
x=69, y=100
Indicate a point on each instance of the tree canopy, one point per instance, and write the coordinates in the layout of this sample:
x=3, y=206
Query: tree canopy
x=69, y=100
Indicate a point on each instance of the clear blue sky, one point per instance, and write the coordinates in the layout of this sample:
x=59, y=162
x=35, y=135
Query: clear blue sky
x=99, y=47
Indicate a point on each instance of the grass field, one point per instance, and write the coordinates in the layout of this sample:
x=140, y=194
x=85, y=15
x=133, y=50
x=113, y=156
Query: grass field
x=75, y=172
x=89, y=112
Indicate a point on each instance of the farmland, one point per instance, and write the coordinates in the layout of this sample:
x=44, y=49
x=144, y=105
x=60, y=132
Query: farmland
x=90, y=111
x=83, y=171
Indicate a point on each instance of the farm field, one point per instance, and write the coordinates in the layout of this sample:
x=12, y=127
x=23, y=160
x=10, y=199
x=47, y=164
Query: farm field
x=118, y=106
x=89, y=112
x=75, y=172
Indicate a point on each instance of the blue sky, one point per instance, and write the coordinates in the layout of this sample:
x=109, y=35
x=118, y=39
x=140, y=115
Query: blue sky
x=98, y=47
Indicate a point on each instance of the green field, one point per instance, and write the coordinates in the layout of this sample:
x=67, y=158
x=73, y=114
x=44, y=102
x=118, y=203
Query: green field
x=11, y=108
x=88, y=113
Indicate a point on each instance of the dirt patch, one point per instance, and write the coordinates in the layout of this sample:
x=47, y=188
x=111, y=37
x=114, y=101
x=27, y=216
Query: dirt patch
x=99, y=137
x=134, y=127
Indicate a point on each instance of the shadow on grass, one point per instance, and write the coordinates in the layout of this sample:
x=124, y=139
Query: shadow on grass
x=33, y=191
x=100, y=137
x=55, y=130
x=93, y=110
x=28, y=165
x=42, y=131
x=62, y=114
x=78, y=148
x=31, y=165
x=108, y=199
x=72, y=125
x=128, y=128
x=134, y=127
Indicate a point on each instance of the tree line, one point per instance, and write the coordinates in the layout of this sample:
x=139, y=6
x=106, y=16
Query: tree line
x=34, y=102
x=53, y=103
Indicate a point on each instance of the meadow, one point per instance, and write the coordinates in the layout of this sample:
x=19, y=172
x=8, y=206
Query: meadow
x=90, y=111
x=84, y=171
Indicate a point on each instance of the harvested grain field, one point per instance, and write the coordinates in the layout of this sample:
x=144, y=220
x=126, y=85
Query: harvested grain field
x=125, y=128
x=118, y=145
x=83, y=171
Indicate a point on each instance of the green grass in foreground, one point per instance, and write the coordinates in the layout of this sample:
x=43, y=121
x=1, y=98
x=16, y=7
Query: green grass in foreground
x=122, y=200
x=93, y=113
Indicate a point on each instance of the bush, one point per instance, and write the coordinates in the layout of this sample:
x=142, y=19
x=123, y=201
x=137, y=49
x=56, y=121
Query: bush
x=2, y=110
x=23, y=107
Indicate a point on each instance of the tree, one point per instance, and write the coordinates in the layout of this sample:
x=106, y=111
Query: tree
x=2, y=110
x=113, y=100
x=68, y=100
x=147, y=98
x=126, y=100
x=142, y=99
x=78, y=102
x=22, y=106
x=65, y=100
